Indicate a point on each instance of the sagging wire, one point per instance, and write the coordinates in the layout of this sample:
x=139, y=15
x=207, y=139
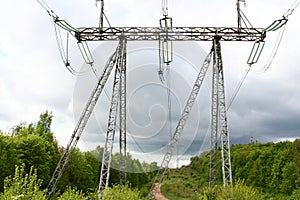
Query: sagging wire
x=47, y=8
x=253, y=58
x=291, y=9
x=274, y=52
x=64, y=52
x=237, y=89
x=83, y=47
x=276, y=25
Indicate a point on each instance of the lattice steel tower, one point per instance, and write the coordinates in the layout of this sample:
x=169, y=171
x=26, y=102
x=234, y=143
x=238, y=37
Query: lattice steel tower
x=165, y=34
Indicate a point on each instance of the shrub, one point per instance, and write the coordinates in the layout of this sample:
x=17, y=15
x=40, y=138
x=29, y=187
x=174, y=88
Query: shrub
x=121, y=193
x=23, y=186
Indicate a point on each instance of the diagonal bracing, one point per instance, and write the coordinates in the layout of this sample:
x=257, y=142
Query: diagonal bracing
x=81, y=124
x=119, y=94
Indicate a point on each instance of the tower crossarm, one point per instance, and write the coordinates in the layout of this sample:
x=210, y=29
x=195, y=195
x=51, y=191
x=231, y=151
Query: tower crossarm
x=176, y=34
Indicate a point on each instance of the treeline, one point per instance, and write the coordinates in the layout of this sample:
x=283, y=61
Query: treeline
x=33, y=145
x=270, y=171
x=29, y=154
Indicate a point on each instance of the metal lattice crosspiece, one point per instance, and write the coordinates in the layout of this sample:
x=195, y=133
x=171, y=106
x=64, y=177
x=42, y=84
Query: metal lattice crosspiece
x=175, y=34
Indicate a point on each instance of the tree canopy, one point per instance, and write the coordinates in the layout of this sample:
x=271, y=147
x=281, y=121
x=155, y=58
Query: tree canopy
x=29, y=155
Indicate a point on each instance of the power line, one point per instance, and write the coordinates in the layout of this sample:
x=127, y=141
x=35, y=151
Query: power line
x=277, y=24
x=237, y=89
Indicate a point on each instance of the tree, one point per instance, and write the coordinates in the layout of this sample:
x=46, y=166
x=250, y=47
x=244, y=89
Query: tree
x=82, y=172
x=289, y=177
x=43, y=127
x=33, y=150
x=8, y=157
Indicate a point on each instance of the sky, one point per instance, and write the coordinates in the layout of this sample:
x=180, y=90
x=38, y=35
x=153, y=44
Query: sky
x=34, y=79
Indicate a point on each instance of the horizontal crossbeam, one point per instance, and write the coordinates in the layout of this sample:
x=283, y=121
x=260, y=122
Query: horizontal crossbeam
x=175, y=34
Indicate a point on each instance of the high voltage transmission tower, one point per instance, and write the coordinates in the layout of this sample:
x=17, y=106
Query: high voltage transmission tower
x=165, y=34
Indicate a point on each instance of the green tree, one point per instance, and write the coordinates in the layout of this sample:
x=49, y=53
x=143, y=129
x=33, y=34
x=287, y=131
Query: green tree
x=43, y=127
x=8, y=157
x=289, y=177
x=33, y=145
x=82, y=172
x=35, y=151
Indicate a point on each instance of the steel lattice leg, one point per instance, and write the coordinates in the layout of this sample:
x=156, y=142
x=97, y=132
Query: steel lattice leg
x=123, y=119
x=112, y=121
x=214, y=119
x=225, y=145
x=219, y=128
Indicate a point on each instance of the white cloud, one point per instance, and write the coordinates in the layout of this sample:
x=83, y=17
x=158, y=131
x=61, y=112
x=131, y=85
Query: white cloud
x=33, y=78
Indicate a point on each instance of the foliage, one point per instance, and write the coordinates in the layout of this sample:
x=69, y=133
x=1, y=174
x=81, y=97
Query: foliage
x=121, y=193
x=72, y=193
x=273, y=169
x=22, y=185
x=8, y=157
x=33, y=145
x=237, y=191
x=266, y=171
x=295, y=195
x=81, y=172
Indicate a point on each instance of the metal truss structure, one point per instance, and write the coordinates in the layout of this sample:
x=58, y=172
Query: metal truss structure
x=219, y=129
x=118, y=58
x=175, y=34
x=118, y=97
x=179, y=128
x=218, y=121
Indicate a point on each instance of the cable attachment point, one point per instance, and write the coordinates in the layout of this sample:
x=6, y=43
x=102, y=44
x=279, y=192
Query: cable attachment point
x=277, y=24
x=256, y=52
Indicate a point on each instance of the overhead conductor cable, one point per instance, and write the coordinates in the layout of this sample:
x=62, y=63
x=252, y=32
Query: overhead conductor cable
x=258, y=47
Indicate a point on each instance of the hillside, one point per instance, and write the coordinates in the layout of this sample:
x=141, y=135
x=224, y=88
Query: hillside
x=273, y=169
x=29, y=154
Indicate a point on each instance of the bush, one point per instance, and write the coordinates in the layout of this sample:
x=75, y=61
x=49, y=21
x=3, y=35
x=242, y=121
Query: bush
x=295, y=195
x=73, y=194
x=23, y=186
x=237, y=191
x=121, y=193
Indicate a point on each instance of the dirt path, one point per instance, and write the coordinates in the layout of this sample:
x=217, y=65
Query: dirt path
x=159, y=195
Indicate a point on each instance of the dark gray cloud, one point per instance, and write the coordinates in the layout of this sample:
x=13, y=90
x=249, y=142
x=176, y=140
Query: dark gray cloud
x=34, y=79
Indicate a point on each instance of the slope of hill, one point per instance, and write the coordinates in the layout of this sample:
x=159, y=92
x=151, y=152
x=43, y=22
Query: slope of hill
x=273, y=169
